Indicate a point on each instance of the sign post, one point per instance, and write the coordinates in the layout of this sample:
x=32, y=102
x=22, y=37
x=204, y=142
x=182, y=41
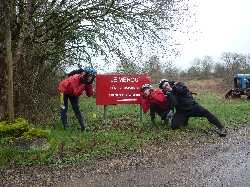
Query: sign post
x=114, y=89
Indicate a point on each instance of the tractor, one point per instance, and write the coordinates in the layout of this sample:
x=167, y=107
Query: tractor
x=241, y=86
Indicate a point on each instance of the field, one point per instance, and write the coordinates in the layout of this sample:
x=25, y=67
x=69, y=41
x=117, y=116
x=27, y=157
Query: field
x=125, y=133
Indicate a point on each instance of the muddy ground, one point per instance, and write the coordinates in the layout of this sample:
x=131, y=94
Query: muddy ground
x=191, y=162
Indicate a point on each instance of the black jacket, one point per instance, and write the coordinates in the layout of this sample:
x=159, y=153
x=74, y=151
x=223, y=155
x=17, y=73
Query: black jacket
x=181, y=98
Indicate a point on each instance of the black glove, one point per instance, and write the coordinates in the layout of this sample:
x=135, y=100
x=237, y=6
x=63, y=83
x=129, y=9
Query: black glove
x=173, y=88
x=171, y=83
x=84, y=79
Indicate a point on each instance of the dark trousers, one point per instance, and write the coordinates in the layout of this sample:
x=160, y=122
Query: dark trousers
x=75, y=107
x=181, y=118
x=154, y=108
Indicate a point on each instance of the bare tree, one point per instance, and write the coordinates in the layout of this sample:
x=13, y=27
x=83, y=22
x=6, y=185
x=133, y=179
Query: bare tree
x=128, y=67
x=153, y=68
x=201, y=67
x=207, y=66
x=196, y=68
x=170, y=70
x=230, y=65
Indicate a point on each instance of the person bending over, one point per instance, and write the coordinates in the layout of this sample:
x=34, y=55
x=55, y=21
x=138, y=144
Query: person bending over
x=71, y=88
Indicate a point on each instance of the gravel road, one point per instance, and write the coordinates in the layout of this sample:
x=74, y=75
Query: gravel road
x=191, y=162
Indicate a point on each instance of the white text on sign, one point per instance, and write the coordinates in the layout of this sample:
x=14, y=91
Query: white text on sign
x=124, y=79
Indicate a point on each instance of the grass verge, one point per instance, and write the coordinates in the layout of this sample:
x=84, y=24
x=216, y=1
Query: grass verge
x=124, y=133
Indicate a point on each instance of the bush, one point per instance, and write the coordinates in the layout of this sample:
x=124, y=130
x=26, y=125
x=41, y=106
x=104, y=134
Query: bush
x=13, y=130
x=33, y=134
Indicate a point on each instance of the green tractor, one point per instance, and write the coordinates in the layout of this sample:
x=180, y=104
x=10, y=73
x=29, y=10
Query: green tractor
x=241, y=86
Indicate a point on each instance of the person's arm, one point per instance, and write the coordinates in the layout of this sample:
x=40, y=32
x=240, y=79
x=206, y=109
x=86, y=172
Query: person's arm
x=145, y=105
x=158, y=95
x=89, y=89
x=79, y=89
x=76, y=87
x=171, y=99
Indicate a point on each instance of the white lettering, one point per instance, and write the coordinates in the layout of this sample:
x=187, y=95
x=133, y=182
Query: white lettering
x=124, y=79
x=131, y=88
x=114, y=80
x=123, y=95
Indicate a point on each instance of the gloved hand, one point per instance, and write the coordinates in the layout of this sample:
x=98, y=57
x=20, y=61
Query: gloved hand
x=84, y=79
x=170, y=114
x=173, y=87
x=166, y=92
x=171, y=83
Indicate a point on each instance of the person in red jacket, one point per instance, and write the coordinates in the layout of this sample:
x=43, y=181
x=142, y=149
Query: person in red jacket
x=72, y=88
x=156, y=102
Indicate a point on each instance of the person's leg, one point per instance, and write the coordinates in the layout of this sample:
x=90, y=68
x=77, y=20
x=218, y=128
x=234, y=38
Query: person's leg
x=166, y=114
x=200, y=111
x=64, y=109
x=178, y=120
x=186, y=122
x=153, y=109
x=75, y=107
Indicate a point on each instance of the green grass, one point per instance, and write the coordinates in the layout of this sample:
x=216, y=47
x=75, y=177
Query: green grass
x=124, y=133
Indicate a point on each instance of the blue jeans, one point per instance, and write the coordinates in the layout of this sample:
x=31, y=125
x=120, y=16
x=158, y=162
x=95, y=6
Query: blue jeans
x=75, y=107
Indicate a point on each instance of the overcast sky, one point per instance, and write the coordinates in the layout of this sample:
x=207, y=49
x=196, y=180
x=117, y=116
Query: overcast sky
x=224, y=27
x=221, y=25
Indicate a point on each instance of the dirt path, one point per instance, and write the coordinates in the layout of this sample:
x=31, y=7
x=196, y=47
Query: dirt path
x=200, y=162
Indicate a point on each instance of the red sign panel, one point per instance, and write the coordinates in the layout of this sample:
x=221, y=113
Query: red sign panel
x=119, y=89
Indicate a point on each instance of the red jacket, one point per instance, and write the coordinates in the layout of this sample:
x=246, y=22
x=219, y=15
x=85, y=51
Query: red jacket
x=156, y=97
x=72, y=86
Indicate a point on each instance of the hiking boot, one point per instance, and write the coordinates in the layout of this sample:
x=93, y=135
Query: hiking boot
x=166, y=122
x=223, y=132
x=66, y=127
x=87, y=129
x=152, y=122
x=83, y=127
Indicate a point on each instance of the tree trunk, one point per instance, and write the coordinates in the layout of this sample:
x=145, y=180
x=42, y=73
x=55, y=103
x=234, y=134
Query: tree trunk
x=7, y=10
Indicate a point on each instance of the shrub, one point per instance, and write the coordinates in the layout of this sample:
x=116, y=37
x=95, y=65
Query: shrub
x=33, y=134
x=13, y=130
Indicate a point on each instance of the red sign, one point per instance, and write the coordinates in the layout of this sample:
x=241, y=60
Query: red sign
x=119, y=89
